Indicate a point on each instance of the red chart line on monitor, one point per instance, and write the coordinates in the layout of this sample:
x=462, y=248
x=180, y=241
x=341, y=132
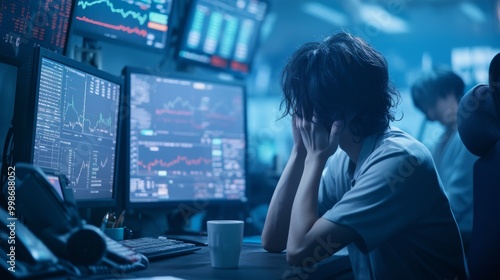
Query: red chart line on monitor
x=126, y=29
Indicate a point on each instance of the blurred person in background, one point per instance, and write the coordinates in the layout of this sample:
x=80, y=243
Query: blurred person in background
x=437, y=94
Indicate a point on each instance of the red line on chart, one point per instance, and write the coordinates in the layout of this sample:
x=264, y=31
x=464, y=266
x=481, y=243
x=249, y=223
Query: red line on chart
x=179, y=159
x=140, y=32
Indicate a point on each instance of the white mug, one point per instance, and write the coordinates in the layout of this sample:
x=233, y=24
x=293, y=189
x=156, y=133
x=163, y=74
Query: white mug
x=225, y=238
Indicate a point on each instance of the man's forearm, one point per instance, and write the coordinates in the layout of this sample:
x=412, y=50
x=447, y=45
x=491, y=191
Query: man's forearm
x=275, y=232
x=305, y=206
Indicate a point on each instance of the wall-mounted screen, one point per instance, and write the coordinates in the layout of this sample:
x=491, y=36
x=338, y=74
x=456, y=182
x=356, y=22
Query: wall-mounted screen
x=222, y=34
x=138, y=23
x=25, y=23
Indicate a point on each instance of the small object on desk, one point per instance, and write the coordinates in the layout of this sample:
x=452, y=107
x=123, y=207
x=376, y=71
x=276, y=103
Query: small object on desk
x=115, y=233
x=225, y=239
x=108, y=221
x=104, y=222
x=120, y=220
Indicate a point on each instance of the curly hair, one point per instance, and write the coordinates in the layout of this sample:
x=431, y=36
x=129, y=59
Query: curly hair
x=339, y=78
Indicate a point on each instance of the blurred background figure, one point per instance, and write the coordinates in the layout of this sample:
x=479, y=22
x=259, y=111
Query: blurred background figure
x=436, y=94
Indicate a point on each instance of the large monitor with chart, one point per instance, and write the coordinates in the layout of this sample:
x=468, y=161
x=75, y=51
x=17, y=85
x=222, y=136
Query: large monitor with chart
x=187, y=140
x=67, y=123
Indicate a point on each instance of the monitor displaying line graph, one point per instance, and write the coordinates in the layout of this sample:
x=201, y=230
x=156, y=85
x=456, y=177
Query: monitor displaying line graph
x=187, y=139
x=140, y=23
x=86, y=107
x=76, y=122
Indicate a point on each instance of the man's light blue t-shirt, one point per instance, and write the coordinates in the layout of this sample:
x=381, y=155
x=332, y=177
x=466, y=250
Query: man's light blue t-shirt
x=394, y=201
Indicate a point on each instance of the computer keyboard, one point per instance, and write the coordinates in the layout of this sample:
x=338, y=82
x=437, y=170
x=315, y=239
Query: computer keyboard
x=159, y=247
x=120, y=258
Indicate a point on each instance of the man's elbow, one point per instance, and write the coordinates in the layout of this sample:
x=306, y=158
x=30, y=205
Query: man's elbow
x=303, y=256
x=272, y=247
x=294, y=258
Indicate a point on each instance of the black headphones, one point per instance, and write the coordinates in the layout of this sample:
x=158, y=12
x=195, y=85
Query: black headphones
x=82, y=245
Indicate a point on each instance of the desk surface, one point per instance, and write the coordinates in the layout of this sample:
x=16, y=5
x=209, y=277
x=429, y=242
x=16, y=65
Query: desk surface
x=255, y=263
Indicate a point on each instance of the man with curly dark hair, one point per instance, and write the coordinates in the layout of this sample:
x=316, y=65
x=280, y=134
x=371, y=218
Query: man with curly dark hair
x=352, y=179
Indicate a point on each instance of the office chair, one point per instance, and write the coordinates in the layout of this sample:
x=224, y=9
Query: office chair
x=479, y=129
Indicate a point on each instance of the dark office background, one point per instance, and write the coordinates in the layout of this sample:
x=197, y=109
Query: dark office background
x=414, y=35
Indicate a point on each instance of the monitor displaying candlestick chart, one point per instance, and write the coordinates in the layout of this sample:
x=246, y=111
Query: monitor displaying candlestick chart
x=68, y=124
x=138, y=23
x=187, y=139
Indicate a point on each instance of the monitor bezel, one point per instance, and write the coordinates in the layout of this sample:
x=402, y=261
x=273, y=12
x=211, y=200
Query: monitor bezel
x=184, y=33
x=25, y=115
x=193, y=204
x=99, y=37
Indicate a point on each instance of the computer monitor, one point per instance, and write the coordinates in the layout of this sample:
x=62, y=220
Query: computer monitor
x=25, y=23
x=67, y=123
x=187, y=140
x=137, y=23
x=222, y=34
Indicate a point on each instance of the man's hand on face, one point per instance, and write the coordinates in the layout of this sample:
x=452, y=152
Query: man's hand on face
x=297, y=138
x=318, y=141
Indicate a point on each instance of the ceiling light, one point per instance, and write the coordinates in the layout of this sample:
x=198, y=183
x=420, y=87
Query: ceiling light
x=473, y=11
x=381, y=19
x=324, y=13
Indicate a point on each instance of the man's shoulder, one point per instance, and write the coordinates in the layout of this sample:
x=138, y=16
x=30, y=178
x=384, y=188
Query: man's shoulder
x=398, y=138
x=399, y=144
